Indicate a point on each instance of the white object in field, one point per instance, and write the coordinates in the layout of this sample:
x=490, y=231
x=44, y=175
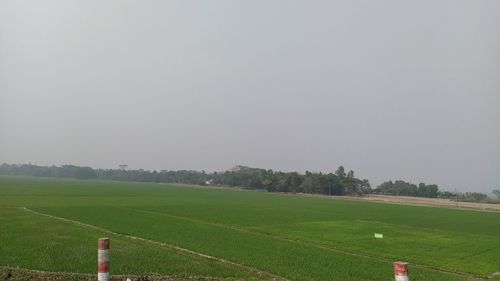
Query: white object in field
x=128, y=279
x=378, y=235
x=401, y=271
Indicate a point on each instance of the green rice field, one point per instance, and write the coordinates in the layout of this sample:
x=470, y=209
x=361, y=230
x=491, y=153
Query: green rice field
x=233, y=234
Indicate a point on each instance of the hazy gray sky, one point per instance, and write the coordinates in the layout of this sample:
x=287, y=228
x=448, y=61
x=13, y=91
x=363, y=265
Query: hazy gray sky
x=389, y=88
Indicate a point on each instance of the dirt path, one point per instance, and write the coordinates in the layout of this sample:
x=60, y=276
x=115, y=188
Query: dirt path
x=433, y=202
x=23, y=274
x=409, y=200
x=494, y=275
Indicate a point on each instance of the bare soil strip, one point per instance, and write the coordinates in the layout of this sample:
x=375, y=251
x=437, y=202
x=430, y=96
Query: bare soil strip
x=23, y=274
x=493, y=275
x=253, y=271
x=409, y=200
x=316, y=245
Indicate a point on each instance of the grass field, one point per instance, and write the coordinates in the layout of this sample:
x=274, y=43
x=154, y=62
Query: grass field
x=234, y=234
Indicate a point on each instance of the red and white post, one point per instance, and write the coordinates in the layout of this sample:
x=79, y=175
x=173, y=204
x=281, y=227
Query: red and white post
x=103, y=259
x=401, y=271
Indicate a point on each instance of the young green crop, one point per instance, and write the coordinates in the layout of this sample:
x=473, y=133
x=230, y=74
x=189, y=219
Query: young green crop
x=299, y=238
x=36, y=242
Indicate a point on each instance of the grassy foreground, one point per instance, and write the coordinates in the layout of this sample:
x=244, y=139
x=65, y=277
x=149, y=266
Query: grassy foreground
x=250, y=235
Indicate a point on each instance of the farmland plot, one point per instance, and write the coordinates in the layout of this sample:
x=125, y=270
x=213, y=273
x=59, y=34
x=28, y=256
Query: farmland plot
x=246, y=234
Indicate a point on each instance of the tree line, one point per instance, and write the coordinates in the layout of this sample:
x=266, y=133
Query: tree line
x=339, y=182
x=402, y=188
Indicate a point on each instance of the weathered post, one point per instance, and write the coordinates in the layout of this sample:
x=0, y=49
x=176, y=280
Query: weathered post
x=103, y=259
x=401, y=271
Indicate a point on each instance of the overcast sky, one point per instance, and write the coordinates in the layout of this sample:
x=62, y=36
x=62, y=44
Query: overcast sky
x=389, y=88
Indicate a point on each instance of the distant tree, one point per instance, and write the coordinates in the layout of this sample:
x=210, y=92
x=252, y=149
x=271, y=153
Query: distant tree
x=430, y=191
x=402, y=188
x=335, y=185
x=295, y=180
x=472, y=197
x=446, y=195
x=340, y=172
x=365, y=186
x=496, y=192
x=314, y=183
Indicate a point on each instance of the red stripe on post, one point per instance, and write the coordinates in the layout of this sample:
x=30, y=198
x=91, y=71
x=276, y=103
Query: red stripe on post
x=401, y=271
x=103, y=244
x=103, y=267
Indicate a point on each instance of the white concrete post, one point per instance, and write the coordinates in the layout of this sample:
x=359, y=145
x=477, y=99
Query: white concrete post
x=103, y=259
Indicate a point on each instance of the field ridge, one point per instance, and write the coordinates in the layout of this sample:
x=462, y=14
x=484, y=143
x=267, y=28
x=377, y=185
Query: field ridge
x=254, y=271
x=315, y=244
